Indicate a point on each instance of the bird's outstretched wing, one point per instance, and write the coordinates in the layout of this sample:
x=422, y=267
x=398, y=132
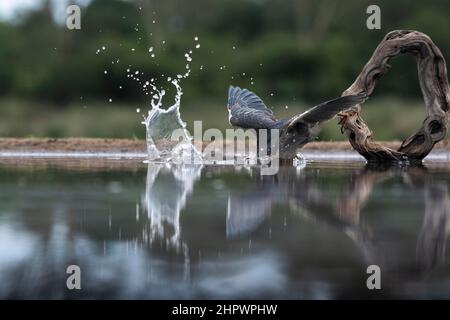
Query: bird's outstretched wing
x=327, y=110
x=247, y=110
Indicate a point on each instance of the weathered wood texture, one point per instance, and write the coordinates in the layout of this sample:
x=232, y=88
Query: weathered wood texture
x=435, y=89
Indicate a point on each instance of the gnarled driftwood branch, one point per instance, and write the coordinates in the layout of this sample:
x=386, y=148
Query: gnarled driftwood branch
x=435, y=89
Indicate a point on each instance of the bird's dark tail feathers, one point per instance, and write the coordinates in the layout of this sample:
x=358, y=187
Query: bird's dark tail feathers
x=245, y=98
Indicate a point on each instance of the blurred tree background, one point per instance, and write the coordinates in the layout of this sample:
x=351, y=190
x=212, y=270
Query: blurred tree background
x=292, y=53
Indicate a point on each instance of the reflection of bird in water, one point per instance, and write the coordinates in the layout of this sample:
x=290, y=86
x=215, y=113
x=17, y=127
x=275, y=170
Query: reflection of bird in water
x=248, y=111
x=248, y=211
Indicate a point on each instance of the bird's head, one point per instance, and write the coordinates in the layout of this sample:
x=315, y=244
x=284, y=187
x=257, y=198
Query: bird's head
x=348, y=117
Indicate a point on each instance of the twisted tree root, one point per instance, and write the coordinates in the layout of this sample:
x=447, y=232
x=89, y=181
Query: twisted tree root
x=435, y=89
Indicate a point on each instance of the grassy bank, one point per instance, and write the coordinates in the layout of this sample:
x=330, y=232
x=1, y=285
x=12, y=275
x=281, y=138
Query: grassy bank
x=389, y=118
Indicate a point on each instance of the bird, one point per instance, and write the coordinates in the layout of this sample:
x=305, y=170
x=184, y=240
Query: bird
x=248, y=111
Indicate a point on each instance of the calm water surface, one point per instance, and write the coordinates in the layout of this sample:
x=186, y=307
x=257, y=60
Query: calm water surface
x=170, y=231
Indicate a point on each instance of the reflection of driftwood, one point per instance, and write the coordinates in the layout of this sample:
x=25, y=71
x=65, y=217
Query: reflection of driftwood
x=436, y=224
x=435, y=88
x=435, y=227
x=349, y=206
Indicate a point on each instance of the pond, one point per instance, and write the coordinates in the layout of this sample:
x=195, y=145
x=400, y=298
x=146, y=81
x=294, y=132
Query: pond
x=166, y=231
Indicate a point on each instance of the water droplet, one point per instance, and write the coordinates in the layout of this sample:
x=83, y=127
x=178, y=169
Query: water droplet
x=197, y=46
x=138, y=110
x=110, y=100
x=132, y=49
x=196, y=38
x=103, y=48
x=105, y=72
x=150, y=49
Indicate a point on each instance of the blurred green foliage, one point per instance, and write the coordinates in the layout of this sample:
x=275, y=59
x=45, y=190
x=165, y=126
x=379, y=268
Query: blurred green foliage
x=290, y=52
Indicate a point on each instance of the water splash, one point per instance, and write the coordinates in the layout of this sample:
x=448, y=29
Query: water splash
x=167, y=136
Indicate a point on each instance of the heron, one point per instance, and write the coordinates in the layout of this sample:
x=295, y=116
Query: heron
x=248, y=111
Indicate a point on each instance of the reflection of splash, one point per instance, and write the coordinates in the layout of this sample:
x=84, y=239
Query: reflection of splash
x=165, y=197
